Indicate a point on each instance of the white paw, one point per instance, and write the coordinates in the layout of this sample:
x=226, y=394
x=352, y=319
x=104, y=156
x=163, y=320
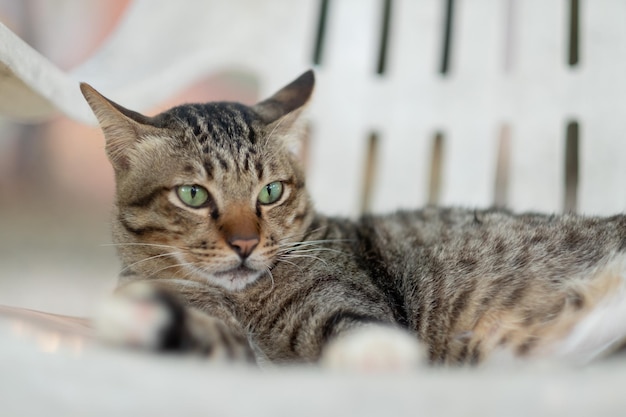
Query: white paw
x=374, y=348
x=133, y=317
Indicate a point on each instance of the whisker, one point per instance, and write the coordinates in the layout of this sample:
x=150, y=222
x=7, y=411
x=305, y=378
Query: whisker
x=303, y=245
x=269, y=272
x=302, y=234
x=140, y=244
x=162, y=255
x=267, y=140
x=313, y=242
x=169, y=266
x=190, y=272
x=316, y=250
x=306, y=256
x=291, y=263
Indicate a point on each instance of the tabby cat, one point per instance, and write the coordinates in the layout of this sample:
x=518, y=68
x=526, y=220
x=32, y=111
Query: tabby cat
x=224, y=255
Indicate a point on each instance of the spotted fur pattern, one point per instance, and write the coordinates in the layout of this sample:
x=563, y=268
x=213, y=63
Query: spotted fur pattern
x=468, y=284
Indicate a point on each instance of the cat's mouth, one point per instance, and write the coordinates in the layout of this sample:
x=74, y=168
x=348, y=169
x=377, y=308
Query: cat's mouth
x=236, y=278
x=241, y=271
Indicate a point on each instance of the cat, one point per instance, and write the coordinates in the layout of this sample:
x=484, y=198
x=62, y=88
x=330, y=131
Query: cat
x=224, y=255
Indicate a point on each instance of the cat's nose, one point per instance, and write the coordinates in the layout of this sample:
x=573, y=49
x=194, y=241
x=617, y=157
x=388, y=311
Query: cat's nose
x=243, y=246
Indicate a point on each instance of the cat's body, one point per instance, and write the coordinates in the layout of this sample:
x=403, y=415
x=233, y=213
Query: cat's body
x=211, y=207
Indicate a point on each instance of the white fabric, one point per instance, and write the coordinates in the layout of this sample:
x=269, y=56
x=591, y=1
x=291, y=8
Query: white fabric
x=41, y=377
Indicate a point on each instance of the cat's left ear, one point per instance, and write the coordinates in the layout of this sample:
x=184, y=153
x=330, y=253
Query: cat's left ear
x=282, y=110
x=122, y=127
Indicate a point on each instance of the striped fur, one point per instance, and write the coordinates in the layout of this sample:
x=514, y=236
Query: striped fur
x=468, y=284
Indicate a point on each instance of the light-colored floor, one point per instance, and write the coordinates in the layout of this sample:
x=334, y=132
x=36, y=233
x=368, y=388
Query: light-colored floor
x=55, y=259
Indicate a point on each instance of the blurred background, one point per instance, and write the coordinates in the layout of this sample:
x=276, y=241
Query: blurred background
x=56, y=185
x=509, y=103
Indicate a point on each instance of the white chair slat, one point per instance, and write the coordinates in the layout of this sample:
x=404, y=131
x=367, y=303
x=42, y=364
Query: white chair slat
x=352, y=37
x=344, y=106
x=411, y=83
x=415, y=41
x=601, y=96
x=31, y=87
x=536, y=106
x=403, y=165
x=479, y=40
x=470, y=111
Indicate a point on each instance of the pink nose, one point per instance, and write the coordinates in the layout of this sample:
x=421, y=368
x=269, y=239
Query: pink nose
x=243, y=247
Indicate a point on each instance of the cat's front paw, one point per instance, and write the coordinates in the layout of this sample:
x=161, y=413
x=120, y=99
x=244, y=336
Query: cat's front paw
x=142, y=316
x=374, y=348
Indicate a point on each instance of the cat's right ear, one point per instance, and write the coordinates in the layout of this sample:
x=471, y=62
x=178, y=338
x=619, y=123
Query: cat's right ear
x=121, y=127
x=290, y=100
x=281, y=112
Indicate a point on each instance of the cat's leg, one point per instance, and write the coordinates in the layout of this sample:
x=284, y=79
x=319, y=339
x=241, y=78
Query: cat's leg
x=602, y=327
x=374, y=347
x=590, y=322
x=153, y=316
x=339, y=324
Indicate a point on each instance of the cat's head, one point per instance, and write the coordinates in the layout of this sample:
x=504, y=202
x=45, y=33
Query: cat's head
x=207, y=192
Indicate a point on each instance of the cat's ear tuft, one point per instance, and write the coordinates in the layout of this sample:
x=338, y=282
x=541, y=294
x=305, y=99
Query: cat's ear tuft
x=121, y=127
x=289, y=99
x=281, y=112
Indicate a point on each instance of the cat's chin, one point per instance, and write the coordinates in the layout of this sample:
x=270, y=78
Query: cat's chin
x=235, y=279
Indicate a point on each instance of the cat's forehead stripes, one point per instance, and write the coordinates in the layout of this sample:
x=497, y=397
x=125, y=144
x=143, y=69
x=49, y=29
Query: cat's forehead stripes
x=222, y=124
x=225, y=133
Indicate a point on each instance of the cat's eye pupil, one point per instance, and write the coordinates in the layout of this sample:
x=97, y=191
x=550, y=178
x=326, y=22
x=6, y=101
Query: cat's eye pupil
x=193, y=195
x=271, y=193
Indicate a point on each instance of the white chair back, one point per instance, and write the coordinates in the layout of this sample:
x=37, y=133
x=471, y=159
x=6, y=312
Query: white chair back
x=470, y=102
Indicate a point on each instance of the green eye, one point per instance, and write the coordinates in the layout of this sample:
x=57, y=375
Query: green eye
x=192, y=195
x=271, y=193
